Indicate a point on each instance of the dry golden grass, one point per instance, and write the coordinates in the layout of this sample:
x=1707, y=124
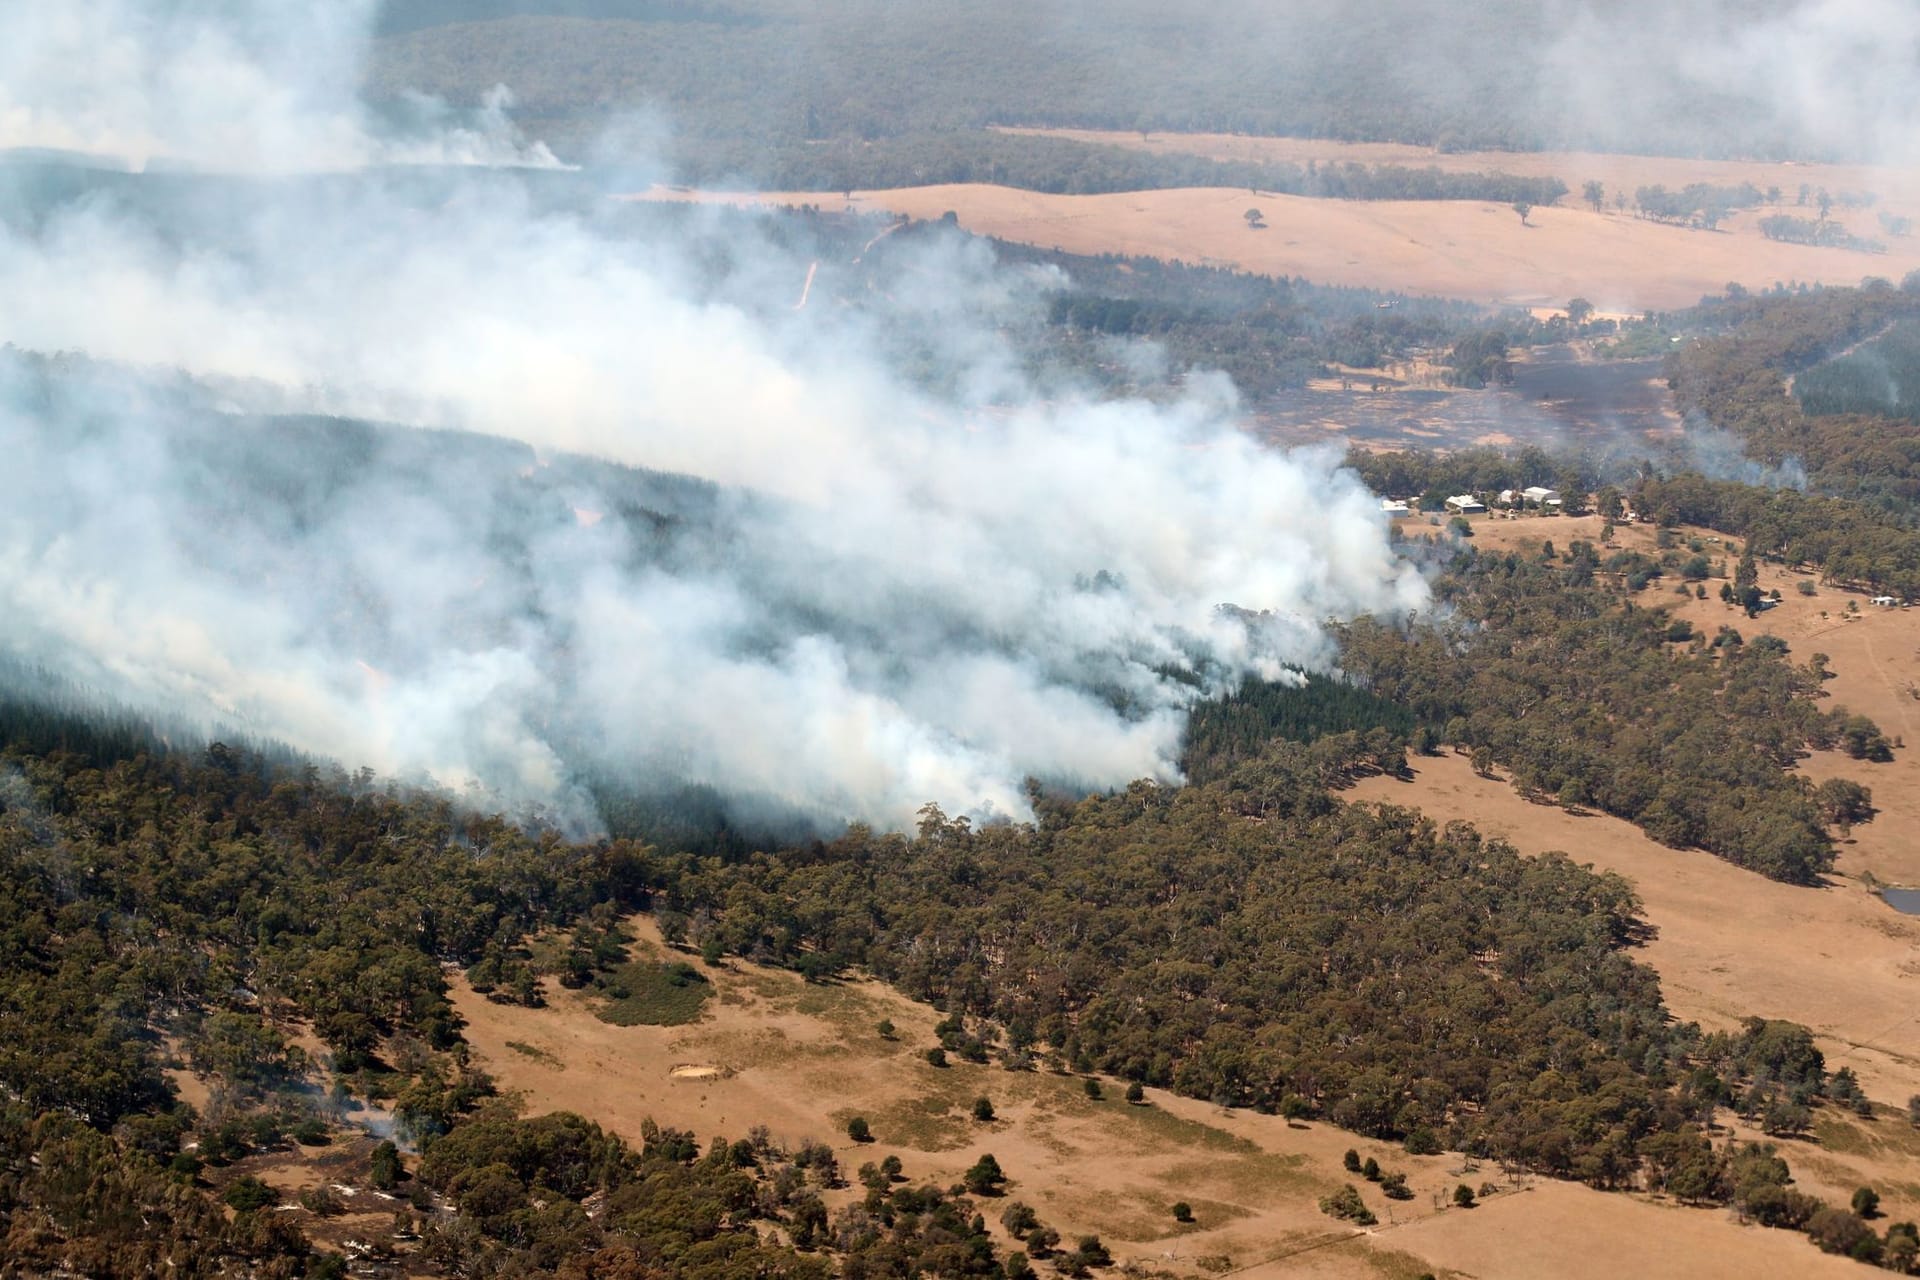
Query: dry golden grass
x=803, y=1060
x=1899, y=189
x=1450, y=248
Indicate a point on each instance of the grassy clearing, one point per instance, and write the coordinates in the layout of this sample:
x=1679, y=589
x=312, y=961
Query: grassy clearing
x=1888, y=1133
x=937, y=1121
x=1254, y=1177
x=1147, y=1214
x=1167, y=1129
x=1395, y=1265
x=535, y=1052
x=645, y=993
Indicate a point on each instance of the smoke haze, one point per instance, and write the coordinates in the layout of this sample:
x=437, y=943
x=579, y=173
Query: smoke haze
x=1768, y=79
x=251, y=87
x=811, y=582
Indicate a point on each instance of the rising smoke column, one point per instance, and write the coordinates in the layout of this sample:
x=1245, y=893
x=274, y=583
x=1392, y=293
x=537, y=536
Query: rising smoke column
x=874, y=596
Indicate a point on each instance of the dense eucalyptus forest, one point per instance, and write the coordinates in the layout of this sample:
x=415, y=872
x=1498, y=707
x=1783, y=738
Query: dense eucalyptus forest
x=1251, y=940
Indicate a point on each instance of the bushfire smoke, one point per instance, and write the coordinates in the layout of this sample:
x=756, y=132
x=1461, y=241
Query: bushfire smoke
x=869, y=595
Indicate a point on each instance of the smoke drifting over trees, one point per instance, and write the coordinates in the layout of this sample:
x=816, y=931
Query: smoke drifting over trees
x=259, y=86
x=754, y=79
x=873, y=596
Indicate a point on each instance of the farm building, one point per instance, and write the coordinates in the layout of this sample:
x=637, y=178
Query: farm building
x=1539, y=496
x=1393, y=507
x=1465, y=504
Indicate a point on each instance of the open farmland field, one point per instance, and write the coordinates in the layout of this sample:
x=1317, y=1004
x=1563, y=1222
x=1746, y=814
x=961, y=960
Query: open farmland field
x=803, y=1059
x=1898, y=189
x=1452, y=248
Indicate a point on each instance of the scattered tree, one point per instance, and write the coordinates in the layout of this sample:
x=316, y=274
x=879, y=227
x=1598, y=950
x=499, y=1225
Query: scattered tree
x=249, y=1193
x=985, y=1177
x=1346, y=1203
x=386, y=1170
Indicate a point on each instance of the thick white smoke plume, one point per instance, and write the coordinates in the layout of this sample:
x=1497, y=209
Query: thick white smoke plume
x=886, y=596
x=247, y=86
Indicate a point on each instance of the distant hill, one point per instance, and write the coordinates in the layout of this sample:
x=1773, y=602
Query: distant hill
x=741, y=82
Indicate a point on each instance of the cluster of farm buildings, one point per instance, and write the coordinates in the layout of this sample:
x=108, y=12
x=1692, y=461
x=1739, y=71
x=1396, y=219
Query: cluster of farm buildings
x=1466, y=504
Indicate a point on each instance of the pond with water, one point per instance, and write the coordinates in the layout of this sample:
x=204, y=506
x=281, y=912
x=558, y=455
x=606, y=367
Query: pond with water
x=1903, y=900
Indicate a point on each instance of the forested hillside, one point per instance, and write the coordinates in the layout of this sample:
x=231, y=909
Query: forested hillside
x=899, y=89
x=1251, y=940
x=1557, y=675
x=1851, y=435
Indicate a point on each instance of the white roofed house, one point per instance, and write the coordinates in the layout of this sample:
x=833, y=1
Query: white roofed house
x=1541, y=496
x=1394, y=507
x=1465, y=504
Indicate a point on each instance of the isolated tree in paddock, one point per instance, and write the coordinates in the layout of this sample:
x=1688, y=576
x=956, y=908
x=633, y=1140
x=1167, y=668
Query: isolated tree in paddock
x=1523, y=208
x=1256, y=220
x=985, y=1177
x=1594, y=194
